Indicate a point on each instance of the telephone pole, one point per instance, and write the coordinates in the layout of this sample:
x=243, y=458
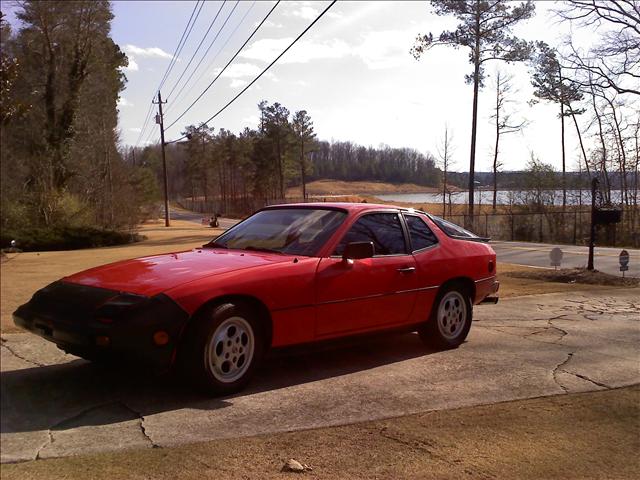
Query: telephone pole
x=160, y=121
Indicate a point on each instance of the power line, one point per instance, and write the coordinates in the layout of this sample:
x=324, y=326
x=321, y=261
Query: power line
x=263, y=71
x=181, y=44
x=225, y=67
x=198, y=47
x=175, y=53
x=207, y=51
x=218, y=52
x=144, y=125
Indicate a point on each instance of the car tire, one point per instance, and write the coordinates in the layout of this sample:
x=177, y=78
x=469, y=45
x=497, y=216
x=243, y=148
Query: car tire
x=221, y=349
x=450, y=319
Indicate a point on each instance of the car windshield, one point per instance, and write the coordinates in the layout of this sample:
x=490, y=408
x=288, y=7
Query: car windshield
x=293, y=231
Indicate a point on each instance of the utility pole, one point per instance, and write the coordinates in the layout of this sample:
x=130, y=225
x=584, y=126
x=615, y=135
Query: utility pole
x=160, y=121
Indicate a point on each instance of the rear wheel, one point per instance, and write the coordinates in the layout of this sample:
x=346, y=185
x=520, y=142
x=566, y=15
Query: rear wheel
x=222, y=348
x=450, y=319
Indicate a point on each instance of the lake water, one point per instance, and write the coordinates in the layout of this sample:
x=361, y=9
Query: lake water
x=504, y=197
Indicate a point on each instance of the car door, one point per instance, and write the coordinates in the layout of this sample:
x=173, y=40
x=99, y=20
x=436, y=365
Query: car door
x=371, y=293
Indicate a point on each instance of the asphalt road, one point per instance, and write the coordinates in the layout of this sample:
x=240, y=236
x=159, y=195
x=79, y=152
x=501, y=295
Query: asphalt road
x=520, y=253
x=58, y=405
x=197, y=218
x=537, y=255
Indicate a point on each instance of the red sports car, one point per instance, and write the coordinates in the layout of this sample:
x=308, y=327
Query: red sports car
x=289, y=274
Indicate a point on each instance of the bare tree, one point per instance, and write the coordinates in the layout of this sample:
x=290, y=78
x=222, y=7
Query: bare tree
x=503, y=120
x=614, y=62
x=445, y=151
x=485, y=29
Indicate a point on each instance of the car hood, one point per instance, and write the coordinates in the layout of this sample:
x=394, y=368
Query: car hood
x=152, y=275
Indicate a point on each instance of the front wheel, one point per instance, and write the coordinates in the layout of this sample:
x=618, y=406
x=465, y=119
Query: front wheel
x=450, y=319
x=222, y=349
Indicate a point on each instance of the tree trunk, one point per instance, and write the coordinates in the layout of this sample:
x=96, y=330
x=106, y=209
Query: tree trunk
x=303, y=171
x=495, y=152
x=474, y=117
x=584, y=153
x=564, y=157
x=564, y=163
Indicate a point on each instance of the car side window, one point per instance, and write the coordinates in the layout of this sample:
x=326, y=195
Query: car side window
x=383, y=229
x=420, y=233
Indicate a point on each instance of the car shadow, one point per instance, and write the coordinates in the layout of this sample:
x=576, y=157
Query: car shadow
x=79, y=393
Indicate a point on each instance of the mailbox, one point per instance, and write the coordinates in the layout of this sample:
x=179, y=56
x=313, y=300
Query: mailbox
x=607, y=216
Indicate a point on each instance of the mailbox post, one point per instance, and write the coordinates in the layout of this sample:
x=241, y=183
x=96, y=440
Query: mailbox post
x=592, y=232
x=624, y=261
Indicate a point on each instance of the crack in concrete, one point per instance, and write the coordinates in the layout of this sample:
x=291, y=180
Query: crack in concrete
x=584, y=377
x=18, y=356
x=558, y=368
x=142, y=427
x=51, y=438
x=49, y=441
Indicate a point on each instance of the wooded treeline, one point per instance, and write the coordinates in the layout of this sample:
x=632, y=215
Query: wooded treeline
x=232, y=170
x=61, y=165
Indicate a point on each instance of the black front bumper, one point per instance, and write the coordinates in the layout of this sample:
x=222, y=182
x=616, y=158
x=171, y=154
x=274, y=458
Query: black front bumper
x=78, y=318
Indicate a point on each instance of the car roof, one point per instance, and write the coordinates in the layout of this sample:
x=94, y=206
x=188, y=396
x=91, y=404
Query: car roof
x=351, y=207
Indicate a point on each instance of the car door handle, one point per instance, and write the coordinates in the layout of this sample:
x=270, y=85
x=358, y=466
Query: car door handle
x=407, y=269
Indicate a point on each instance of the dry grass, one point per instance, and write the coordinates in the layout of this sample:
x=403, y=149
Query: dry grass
x=576, y=276
x=339, y=187
x=587, y=436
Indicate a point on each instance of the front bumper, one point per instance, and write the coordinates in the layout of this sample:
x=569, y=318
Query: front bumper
x=69, y=316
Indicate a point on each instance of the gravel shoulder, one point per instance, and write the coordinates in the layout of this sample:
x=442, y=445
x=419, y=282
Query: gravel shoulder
x=588, y=435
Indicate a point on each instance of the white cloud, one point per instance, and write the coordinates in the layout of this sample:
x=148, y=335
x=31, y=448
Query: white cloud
x=271, y=24
x=306, y=12
x=252, y=120
x=123, y=102
x=146, y=52
x=133, y=66
x=385, y=49
x=237, y=83
x=266, y=49
x=239, y=70
x=269, y=48
x=135, y=130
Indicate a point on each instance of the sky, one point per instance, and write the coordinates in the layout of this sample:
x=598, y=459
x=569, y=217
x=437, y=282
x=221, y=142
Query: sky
x=352, y=72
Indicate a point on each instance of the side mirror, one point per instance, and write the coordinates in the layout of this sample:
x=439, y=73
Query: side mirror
x=358, y=250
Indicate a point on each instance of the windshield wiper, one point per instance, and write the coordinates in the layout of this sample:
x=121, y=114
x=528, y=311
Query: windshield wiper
x=261, y=249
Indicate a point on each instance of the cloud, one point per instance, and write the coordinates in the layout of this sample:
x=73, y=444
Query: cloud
x=385, y=49
x=146, y=52
x=251, y=120
x=267, y=49
x=239, y=70
x=135, y=130
x=123, y=102
x=132, y=66
x=307, y=12
x=237, y=83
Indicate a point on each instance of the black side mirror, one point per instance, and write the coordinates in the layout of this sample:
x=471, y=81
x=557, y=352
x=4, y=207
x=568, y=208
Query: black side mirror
x=358, y=250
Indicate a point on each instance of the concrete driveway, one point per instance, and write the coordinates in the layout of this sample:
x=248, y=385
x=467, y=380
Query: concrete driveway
x=57, y=405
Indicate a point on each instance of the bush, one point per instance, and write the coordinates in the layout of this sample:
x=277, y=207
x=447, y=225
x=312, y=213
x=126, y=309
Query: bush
x=30, y=239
